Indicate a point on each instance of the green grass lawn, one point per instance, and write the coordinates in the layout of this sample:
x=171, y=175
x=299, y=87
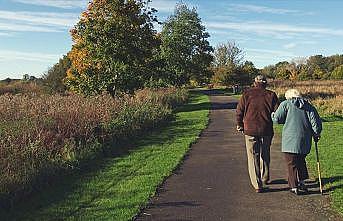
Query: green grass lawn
x=117, y=188
x=331, y=161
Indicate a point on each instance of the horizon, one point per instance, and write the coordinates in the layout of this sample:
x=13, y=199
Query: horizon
x=268, y=31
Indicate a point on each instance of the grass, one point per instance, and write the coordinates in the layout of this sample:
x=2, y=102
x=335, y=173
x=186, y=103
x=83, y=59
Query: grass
x=117, y=188
x=331, y=161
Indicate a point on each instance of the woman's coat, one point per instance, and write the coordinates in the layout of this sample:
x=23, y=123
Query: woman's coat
x=301, y=122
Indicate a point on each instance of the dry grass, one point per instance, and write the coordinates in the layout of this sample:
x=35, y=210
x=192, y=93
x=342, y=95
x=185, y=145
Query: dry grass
x=327, y=95
x=43, y=134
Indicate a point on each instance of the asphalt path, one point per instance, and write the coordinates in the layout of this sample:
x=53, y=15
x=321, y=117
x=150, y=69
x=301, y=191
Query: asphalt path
x=212, y=183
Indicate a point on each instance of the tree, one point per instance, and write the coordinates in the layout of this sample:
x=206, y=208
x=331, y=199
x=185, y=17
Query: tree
x=227, y=54
x=229, y=66
x=113, y=47
x=55, y=76
x=282, y=71
x=185, y=49
x=269, y=71
x=337, y=73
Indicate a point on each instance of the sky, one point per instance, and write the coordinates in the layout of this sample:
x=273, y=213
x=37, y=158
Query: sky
x=34, y=34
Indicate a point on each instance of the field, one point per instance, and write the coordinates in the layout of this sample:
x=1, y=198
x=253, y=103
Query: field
x=117, y=187
x=47, y=136
x=327, y=96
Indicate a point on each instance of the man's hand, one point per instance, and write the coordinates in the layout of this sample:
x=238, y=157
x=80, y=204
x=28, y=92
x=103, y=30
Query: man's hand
x=240, y=129
x=316, y=137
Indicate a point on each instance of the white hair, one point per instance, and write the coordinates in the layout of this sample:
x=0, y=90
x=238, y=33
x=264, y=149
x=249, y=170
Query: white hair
x=292, y=93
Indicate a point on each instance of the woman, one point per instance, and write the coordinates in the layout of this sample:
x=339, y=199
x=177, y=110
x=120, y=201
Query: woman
x=301, y=123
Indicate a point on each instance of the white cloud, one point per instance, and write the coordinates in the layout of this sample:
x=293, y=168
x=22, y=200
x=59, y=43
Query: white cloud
x=290, y=45
x=67, y=4
x=164, y=6
x=8, y=55
x=5, y=34
x=261, y=9
x=274, y=29
x=262, y=57
x=41, y=18
x=13, y=27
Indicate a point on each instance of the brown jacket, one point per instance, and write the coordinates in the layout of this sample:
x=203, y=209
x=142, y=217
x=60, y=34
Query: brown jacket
x=254, y=110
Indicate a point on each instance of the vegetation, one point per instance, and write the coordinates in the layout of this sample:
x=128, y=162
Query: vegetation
x=327, y=96
x=45, y=135
x=314, y=67
x=117, y=187
x=113, y=47
x=185, y=50
x=22, y=86
x=229, y=66
x=54, y=78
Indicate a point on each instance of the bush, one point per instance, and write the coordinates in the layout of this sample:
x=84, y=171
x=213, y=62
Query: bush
x=44, y=135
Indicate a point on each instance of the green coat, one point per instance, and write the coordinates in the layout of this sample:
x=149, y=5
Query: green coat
x=301, y=121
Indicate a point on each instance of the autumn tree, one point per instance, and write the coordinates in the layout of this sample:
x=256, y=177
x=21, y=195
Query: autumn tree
x=113, y=47
x=230, y=67
x=185, y=49
x=228, y=54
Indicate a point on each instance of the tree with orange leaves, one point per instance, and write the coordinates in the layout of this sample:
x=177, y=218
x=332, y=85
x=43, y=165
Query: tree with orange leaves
x=113, y=47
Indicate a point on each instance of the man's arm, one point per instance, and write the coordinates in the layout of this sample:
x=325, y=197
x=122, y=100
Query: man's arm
x=240, y=110
x=275, y=102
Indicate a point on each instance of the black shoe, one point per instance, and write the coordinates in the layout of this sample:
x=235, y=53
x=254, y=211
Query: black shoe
x=302, y=187
x=266, y=182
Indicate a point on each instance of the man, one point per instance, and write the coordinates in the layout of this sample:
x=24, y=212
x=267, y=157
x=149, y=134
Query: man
x=253, y=115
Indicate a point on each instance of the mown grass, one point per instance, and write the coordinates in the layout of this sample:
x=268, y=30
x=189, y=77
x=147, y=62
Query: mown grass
x=331, y=161
x=117, y=188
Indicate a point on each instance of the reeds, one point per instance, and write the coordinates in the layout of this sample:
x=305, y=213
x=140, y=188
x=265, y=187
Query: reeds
x=44, y=134
x=326, y=95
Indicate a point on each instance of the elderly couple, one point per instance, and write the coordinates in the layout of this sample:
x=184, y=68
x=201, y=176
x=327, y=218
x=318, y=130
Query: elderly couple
x=257, y=109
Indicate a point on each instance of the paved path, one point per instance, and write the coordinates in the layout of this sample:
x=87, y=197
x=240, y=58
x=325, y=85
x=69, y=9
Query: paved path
x=213, y=184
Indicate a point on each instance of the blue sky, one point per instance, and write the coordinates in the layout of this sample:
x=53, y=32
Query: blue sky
x=34, y=34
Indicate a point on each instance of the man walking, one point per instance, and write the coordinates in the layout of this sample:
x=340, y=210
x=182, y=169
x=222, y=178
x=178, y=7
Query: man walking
x=253, y=116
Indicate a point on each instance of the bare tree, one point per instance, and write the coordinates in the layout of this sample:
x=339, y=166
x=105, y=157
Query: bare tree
x=228, y=54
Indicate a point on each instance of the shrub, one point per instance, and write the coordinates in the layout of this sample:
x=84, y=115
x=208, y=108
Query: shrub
x=44, y=135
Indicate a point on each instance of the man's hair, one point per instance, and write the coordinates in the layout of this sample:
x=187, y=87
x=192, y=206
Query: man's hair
x=292, y=93
x=261, y=79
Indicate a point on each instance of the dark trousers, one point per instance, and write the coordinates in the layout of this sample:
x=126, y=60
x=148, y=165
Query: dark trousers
x=297, y=169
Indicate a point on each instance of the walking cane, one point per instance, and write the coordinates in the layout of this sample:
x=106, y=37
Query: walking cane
x=318, y=167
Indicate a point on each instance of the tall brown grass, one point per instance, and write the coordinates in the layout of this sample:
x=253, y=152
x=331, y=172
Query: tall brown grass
x=326, y=95
x=41, y=135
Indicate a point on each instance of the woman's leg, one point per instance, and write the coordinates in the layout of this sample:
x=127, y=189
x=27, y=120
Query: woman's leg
x=292, y=170
x=301, y=167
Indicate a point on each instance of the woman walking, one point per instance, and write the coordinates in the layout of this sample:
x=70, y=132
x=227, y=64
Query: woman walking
x=301, y=123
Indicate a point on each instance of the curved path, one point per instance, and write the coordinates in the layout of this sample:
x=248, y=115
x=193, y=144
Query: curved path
x=213, y=184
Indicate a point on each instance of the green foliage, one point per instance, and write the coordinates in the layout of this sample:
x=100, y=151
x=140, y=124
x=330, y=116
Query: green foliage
x=113, y=47
x=55, y=76
x=229, y=67
x=185, y=49
x=315, y=67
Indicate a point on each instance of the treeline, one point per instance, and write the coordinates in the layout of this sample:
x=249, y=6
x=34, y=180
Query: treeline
x=124, y=53
x=314, y=67
x=116, y=48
